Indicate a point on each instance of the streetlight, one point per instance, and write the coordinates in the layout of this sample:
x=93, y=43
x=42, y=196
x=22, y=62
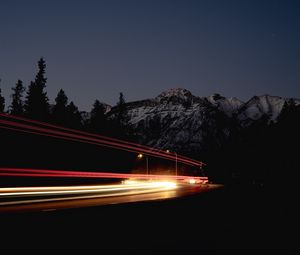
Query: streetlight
x=168, y=151
x=140, y=156
x=202, y=170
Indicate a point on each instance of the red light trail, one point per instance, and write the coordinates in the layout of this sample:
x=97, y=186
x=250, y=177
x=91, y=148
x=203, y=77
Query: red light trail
x=134, y=187
x=64, y=173
x=88, y=134
x=84, y=137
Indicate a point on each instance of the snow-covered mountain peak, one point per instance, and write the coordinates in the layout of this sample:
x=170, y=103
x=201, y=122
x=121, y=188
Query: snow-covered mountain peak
x=259, y=106
x=186, y=123
x=228, y=105
x=175, y=95
x=215, y=97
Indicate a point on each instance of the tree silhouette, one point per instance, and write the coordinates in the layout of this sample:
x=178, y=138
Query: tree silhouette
x=36, y=104
x=97, y=120
x=73, y=118
x=17, y=105
x=122, y=116
x=119, y=123
x=2, y=102
x=60, y=111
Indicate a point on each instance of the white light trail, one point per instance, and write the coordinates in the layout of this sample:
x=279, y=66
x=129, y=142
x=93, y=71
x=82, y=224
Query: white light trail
x=92, y=191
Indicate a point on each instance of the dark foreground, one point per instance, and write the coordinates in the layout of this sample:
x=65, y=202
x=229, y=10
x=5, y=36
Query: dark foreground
x=225, y=221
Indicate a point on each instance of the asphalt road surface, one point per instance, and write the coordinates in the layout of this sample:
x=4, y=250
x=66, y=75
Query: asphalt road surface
x=185, y=219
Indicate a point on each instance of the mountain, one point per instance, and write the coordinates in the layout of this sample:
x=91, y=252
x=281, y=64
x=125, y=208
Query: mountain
x=229, y=105
x=192, y=125
x=177, y=121
x=261, y=106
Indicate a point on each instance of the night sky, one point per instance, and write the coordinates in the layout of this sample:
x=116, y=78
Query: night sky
x=96, y=49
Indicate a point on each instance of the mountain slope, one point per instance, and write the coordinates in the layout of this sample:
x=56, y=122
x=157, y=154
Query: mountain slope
x=261, y=106
x=182, y=122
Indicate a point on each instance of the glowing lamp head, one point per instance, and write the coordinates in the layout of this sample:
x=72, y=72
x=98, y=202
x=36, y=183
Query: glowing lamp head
x=140, y=155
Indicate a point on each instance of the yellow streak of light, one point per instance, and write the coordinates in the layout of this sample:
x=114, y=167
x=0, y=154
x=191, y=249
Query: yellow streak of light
x=134, y=188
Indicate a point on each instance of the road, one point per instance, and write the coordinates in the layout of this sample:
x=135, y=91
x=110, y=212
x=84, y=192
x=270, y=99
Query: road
x=28, y=199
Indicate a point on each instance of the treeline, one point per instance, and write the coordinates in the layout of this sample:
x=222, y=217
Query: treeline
x=33, y=103
x=264, y=153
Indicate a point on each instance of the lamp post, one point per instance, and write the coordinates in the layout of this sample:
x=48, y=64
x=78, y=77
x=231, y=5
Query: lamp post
x=140, y=156
x=176, y=163
x=147, y=165
x=176, y=172
x=202, y=170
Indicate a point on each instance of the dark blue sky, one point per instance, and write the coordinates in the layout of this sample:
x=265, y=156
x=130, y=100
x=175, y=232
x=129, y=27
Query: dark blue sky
x=96, y=49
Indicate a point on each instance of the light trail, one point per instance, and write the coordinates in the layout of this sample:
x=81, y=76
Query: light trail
x=79, y=138
x=68, y=139
x=25, y=195
x=85, y=137
x=4, y=171
x=132, y=188
x=63, y=190
x=150, y=149
x=43, y=201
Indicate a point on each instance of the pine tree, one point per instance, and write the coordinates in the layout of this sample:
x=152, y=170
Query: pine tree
x=59, y=111
x=97, y=119
x=121, y=99
x=73, y=119
x=2, y=102
x=122, y=116
x=17, y=105
x=36, y=104
x=120, y=125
